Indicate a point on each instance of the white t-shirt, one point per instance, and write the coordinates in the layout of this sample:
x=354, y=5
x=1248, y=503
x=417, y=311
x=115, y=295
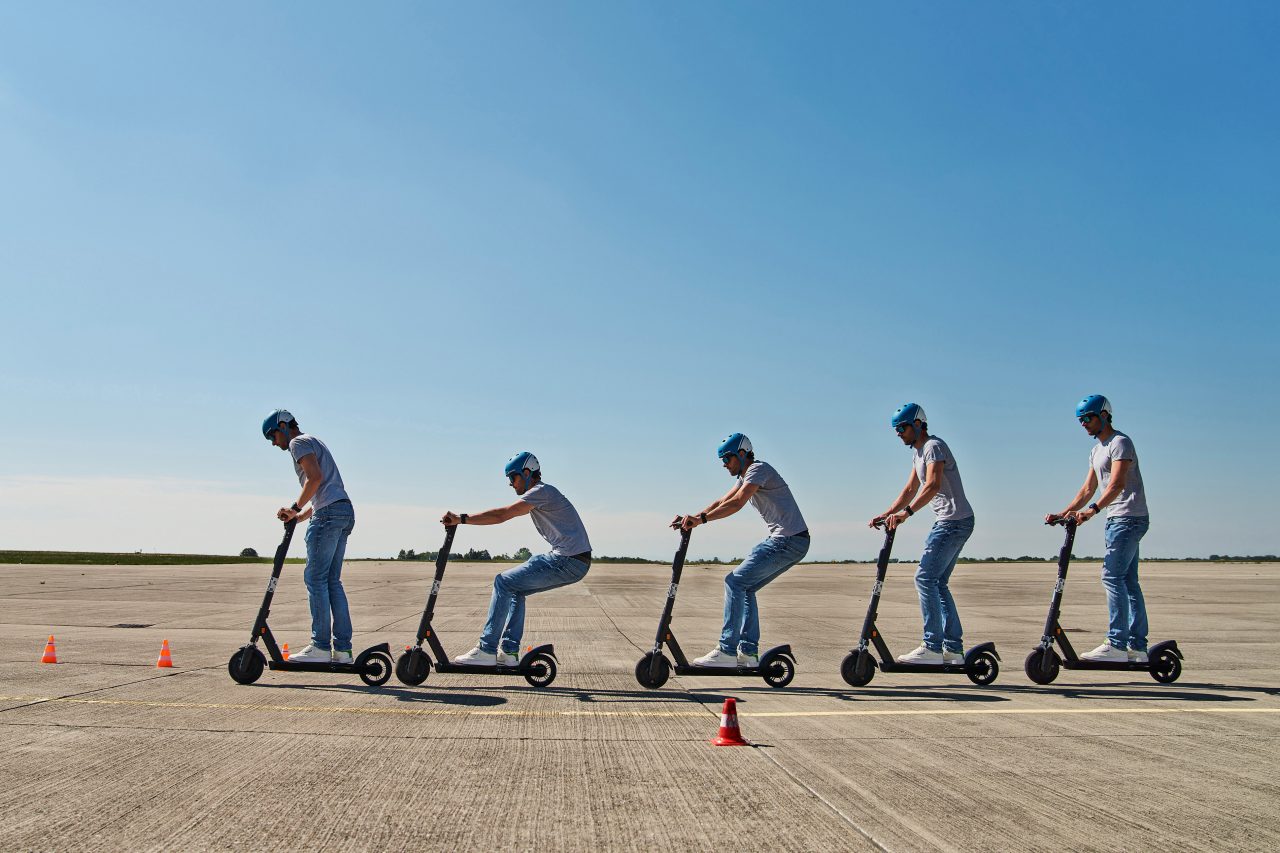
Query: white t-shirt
x=949, y=504
x=556, y=520
x=773, y=500
x=1132, y=500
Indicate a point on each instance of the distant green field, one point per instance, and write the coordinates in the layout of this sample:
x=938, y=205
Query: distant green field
x=95, y=558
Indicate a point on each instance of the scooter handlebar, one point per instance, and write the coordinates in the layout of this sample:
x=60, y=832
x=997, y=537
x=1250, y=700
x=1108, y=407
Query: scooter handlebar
x=1060, y=519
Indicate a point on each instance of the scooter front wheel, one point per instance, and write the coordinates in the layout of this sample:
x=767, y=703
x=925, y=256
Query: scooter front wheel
x=413, y=667
x=983, y=669
x=652, y=672
x=777, y=671
x=857, y=669
x=542, y=670
x=246, y=665
x=1042, y=666
x=1165, y=667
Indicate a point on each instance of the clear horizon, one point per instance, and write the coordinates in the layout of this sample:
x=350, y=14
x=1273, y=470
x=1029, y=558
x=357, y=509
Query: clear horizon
x=612, y=235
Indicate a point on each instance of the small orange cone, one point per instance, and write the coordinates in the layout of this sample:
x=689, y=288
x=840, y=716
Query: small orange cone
x=285, y=651
x=730, y=735
x=165, y=660
x=50, y=653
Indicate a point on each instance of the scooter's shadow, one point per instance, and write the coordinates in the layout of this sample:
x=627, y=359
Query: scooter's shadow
x=401, y=694
x=1120, y=690
x=869, y=694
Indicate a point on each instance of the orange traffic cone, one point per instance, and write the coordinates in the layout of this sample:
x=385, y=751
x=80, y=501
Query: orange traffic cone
x=165, y=660
x=50, y=653
x=285, y=651
x=729, y=734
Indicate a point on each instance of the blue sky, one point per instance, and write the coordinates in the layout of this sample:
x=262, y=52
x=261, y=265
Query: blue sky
x=612, y=234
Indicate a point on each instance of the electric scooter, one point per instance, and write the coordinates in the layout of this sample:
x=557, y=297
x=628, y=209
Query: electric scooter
x=1164, y=660
x=373, y=665
x=537, y=665
x=777, y=666
x=981, y=662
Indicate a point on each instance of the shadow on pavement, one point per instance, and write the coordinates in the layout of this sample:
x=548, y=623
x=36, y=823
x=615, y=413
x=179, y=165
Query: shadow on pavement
x=869, y=694
x=1154, y=692
x=401, y=694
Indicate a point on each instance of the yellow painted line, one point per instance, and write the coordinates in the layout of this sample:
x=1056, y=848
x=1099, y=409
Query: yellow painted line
x=460, y=712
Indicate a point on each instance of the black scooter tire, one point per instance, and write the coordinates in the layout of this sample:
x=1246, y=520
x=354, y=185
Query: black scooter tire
x=1036, y=671
x=376, y=669
x=646, y=675
x=854, y=675
x=1165, y=667
x=413, y=667
x=246, y=665
x=984, y=669
x=541, y=671
x=778, y=671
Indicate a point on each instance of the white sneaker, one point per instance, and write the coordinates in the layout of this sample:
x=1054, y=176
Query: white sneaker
x=477, y=657
x=342, y=657
x=921, y=655
x=1106, y=653
x=508, y=659
x=748, y=661
x=1136, y=656
x=311, y=654
x=956, y=658
x=717, y=658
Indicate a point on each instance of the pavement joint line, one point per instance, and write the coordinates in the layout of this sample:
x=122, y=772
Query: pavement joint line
x=415, y=712
x=871, y=839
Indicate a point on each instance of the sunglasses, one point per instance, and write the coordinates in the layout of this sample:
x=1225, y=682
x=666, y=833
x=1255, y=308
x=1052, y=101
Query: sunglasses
x=901, y=428
x=1084, y=419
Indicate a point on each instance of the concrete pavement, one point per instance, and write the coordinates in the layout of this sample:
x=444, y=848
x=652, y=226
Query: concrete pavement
x=104, y=751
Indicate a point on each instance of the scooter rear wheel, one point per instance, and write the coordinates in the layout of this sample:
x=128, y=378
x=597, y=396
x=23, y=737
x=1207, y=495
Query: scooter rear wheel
x=1165, y=667
x=857, y=670
x=542, y=670
x=653, y=674
x=983, y=669
x=376, y=669
x=246, y=665
x=1040, y=669
x=777, y=671
x=413, y=667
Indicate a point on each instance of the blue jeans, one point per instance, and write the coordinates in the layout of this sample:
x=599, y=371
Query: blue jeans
x=326, y=545
x=766, y=561
x=505, y=625
x=1125, y=607
x=942, y=546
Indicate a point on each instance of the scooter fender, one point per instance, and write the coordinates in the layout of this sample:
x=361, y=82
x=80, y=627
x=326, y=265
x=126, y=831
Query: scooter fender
x=979, y=649
x=548, y=648
x=1167, y=645
x=778, y=651
x=370, y=652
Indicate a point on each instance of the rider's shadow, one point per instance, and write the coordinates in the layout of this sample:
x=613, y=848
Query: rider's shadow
x=402, y=694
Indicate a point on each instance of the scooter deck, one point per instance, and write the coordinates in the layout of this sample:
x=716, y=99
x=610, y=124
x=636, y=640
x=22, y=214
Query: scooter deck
x=311, y=666
x=740, y=671
x=481, y=669
x=943, y=668
x=1116, y=666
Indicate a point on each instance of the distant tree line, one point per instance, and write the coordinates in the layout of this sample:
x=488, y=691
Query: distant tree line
x=476, y=555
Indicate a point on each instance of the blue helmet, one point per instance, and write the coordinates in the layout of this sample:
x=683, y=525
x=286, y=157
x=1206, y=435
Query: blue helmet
x=908, y=413
x=273, y=421
x=1094, y=404
x=516, y=464
x=735, y=445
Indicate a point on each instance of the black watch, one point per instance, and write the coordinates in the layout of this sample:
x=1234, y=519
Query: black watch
x=1097, y=510
x=907, y=509
x=462, y=519
x=702, y=516
x=295, y=507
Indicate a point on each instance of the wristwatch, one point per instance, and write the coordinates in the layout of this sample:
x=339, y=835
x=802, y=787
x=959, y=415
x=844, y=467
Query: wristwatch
x=702, y=516
x=1097, y=510
x=295, y=507
x=907, y=509
x=462, y=519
